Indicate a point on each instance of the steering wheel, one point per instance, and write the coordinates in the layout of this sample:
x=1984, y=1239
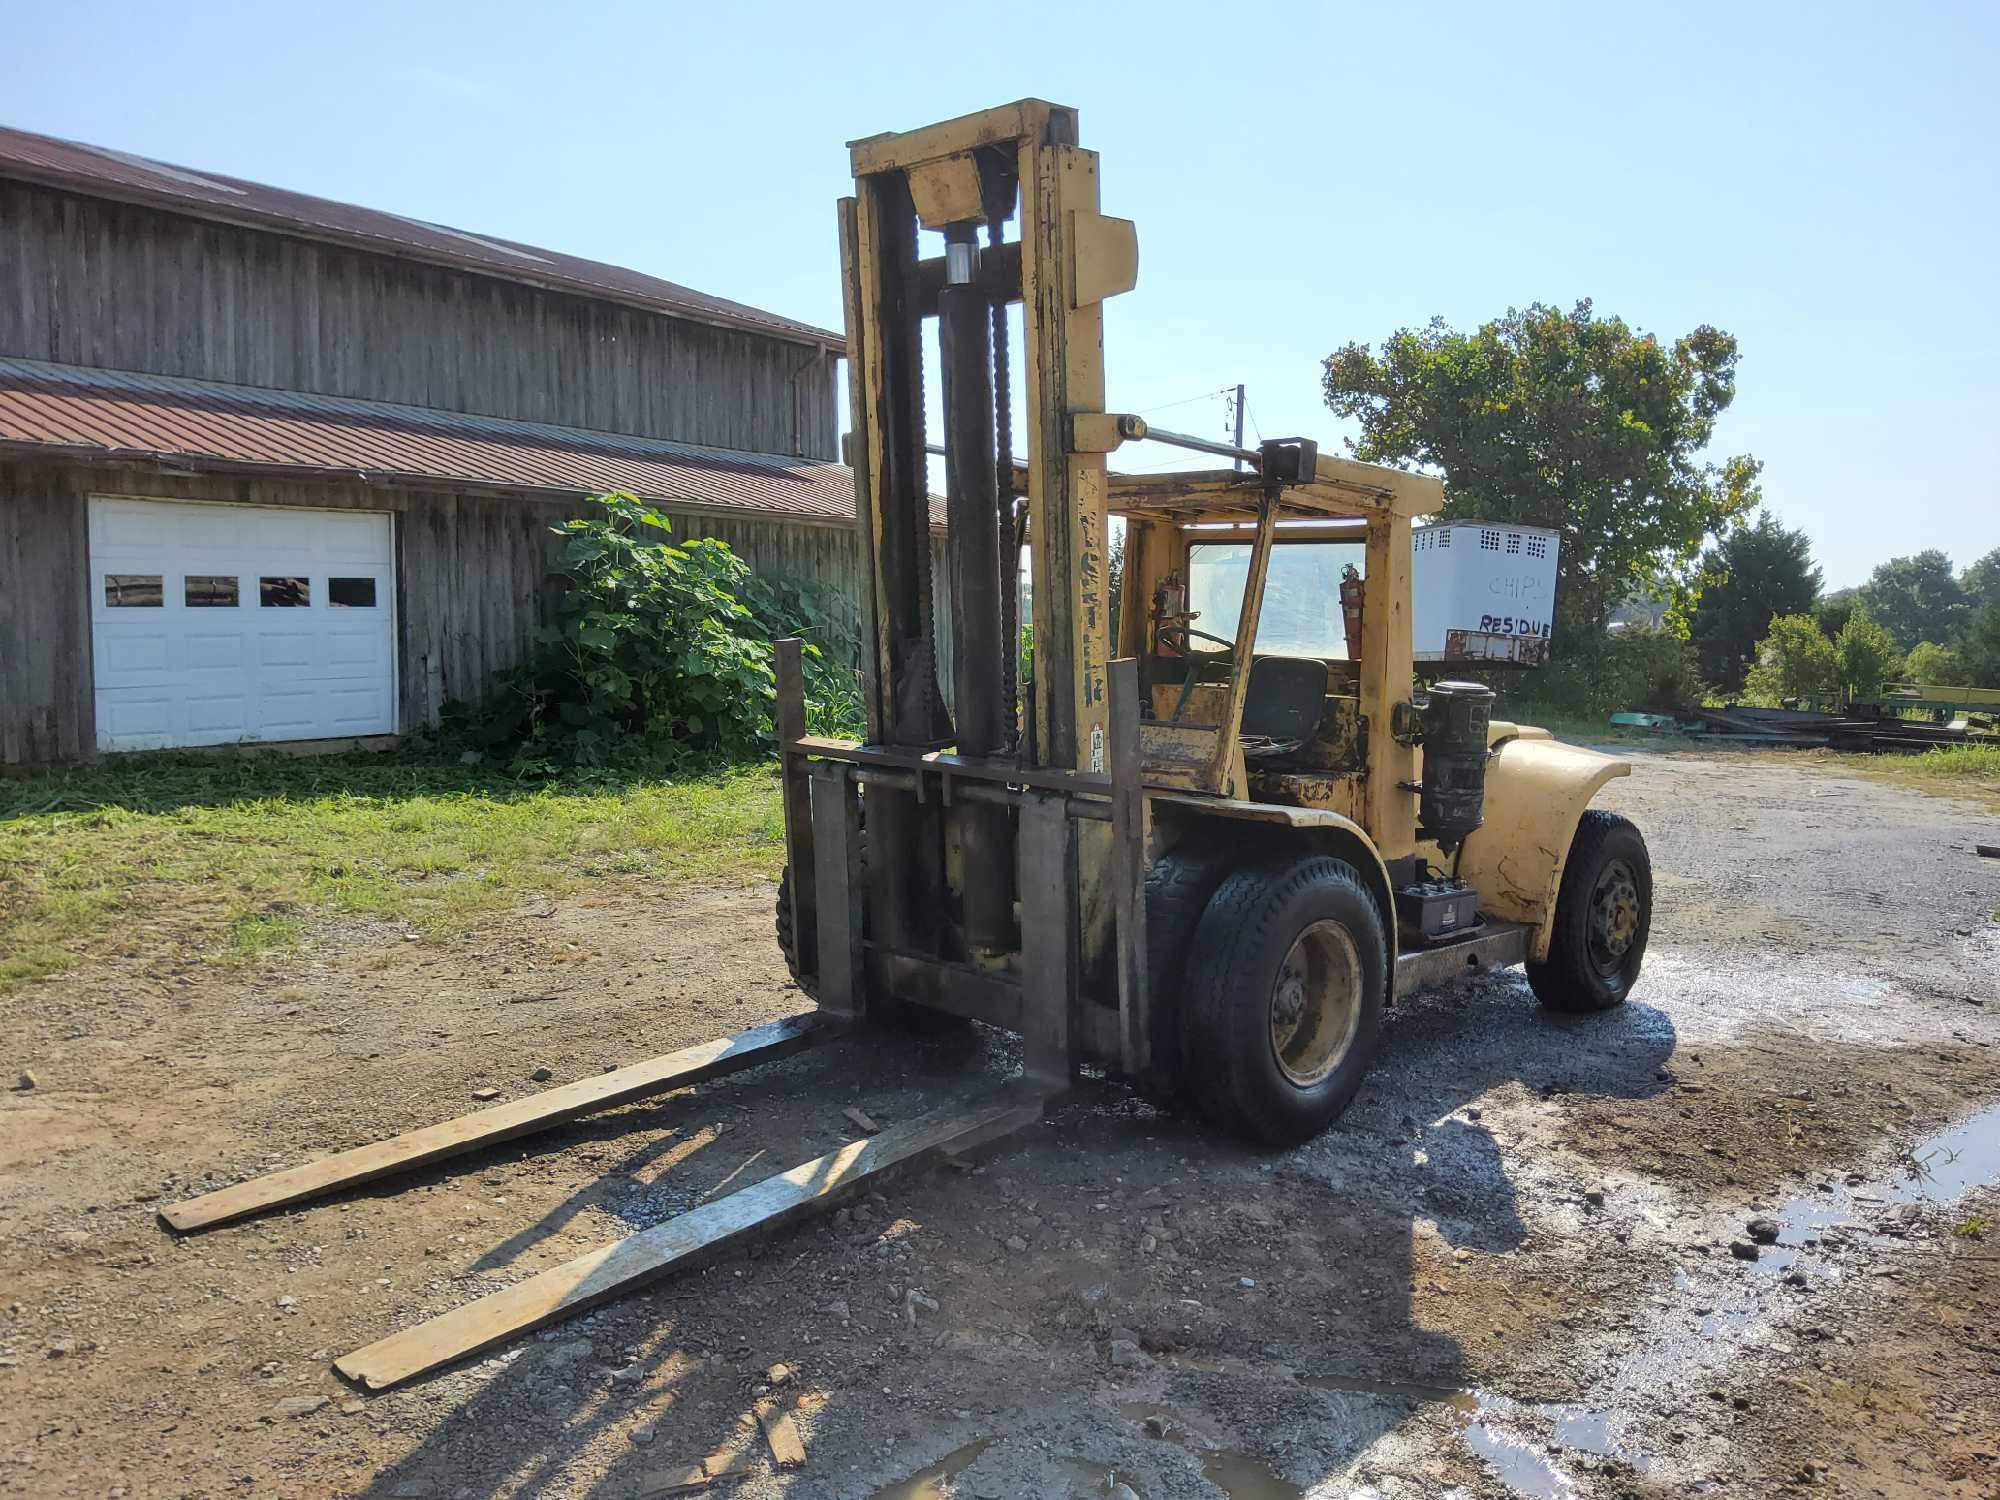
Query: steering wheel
x=1177, y=635
x=1187, y=682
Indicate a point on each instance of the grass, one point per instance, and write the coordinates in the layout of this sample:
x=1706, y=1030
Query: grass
x=1968, y=771
x=234, y=856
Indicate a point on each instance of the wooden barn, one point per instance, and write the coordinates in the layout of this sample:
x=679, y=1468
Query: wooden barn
x=278, y=469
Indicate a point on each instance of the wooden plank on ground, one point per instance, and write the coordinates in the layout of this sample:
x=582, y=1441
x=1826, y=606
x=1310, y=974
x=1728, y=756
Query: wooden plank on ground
x=503, y=1122
x=614, y=1270
x=688, y=1479
x=788, y=1449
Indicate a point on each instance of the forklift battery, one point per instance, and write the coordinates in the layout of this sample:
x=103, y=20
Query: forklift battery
x=1438, y=909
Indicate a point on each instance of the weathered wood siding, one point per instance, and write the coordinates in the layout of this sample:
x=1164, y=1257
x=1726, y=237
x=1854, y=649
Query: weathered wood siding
x=473, y=576
x=472, y=571
x=85, y=281
x=46, y=706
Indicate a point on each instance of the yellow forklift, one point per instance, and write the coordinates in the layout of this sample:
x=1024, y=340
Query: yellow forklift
x=1204, y=860
x=1199, y=846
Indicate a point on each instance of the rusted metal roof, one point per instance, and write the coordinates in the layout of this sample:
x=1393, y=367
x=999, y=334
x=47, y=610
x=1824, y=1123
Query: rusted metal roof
x=71, y=410
x=103, y=173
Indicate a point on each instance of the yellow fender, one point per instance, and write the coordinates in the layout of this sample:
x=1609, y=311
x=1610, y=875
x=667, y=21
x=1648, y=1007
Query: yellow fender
x=1536, y=790
x=1326, y=832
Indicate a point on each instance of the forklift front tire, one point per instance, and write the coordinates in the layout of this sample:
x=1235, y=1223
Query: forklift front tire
x=1179, y=886
x=1283, y=1005
x=1604, y=913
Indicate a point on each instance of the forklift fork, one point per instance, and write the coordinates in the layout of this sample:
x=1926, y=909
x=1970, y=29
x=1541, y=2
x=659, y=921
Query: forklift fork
x=504, y=1122
x=813, y=1187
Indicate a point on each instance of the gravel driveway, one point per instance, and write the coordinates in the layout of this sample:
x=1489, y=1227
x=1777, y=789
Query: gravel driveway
x=1521, y=1264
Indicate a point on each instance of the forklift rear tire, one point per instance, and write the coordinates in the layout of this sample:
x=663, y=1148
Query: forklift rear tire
x=788, y=940
x=1284, y=999
x=1604, y=914
x=917, y=1019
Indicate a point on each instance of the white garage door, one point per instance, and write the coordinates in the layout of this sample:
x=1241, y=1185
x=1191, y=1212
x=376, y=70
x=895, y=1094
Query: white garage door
x=217, y=623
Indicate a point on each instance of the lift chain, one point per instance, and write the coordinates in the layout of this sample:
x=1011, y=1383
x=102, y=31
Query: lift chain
x=932, y=709
x=1010, y=554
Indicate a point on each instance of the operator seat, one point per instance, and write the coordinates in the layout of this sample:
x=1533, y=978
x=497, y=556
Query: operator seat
x=1282, y=703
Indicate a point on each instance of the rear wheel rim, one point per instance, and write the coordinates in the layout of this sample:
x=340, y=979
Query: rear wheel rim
x=1615, y=915
x=1315, y=1004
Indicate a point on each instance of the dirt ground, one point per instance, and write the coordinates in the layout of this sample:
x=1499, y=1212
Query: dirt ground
x=1508, y=1270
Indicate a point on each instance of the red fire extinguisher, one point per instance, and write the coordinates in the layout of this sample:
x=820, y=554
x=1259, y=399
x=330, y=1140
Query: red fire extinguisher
x=1170, y=616
x=1350, y=608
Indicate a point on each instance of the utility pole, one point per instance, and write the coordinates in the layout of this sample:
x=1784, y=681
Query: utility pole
x=1239, y=425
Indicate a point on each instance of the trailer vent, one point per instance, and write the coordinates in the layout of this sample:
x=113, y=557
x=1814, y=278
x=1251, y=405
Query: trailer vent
x=1489, y=541
x=1538, y=546
x=1513, y=542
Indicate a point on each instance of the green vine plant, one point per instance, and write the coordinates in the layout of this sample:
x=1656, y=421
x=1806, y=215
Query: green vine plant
x=783, y=606
x=661, y=652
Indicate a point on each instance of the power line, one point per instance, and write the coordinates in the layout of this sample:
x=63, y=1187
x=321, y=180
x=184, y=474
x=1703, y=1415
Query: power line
x=1186, y=401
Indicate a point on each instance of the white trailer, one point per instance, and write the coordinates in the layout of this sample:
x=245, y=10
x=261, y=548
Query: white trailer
x=1483, y=592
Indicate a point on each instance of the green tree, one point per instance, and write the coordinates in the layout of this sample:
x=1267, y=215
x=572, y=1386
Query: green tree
x=1831, y=613
x=1794, y=661
x=1915, y=598
x=1978, y=642
x=1935, y=666
x=1751, y=575
x=1980, y=583
x=1565, y=420
x=1868, y=656
x=1652, y=670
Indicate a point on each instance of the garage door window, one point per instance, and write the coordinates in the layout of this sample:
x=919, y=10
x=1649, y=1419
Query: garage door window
x=209, y=591
x=133, y=591
x=284, y=593
x=350, y=593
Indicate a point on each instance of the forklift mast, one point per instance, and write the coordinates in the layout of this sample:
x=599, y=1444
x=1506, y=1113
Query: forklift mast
x=967, y=791
x=966, y=179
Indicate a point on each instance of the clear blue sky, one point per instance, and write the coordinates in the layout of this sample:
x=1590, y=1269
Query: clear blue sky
x=1821, y=180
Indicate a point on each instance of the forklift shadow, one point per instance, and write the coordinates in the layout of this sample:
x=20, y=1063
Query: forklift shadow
x=1454, y=1060
x=1412, y=1199
x=1345, y=1241
x=1368, y=1271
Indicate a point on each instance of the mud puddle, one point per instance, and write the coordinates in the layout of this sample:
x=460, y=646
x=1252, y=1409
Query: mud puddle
x=1824, y=1238
x=1486, y=1425
x=1238, y=1475
x=1816, y=1230
x=934, y=1482
x=1937, y=1170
